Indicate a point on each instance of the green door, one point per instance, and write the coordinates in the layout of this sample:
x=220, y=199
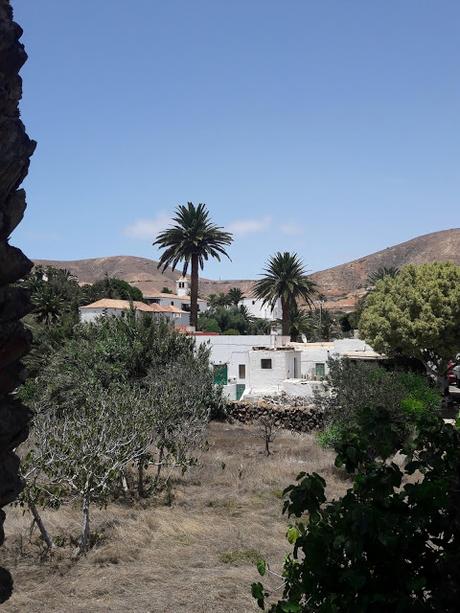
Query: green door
x=220, y=374
x=240, y=387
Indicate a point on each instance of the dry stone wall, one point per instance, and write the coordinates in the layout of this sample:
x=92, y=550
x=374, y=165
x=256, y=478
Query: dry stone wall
x=15, y=151
x=292, y=413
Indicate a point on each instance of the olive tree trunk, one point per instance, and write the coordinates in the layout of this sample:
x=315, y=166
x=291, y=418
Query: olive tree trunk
x=41, y=526
x=85, y=528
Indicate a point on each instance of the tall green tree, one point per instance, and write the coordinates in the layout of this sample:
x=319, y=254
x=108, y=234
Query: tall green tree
x=55, y=294
x=192, y=240
x=111, y=287
x=416, y=314
x=235, y=295
x=380, y=273
x=285, y=278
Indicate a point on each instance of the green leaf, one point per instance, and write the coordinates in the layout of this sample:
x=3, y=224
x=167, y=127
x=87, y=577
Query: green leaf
x=257, y=592
x=292, y=534
x=262, y=567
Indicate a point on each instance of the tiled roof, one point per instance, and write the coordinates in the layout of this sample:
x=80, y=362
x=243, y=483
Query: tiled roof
x=169, y=308
x=125, y=305
x=155, y=294
x=109, y=303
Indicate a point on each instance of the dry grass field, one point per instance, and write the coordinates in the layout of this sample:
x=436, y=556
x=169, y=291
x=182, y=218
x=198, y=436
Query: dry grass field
x=192, y=553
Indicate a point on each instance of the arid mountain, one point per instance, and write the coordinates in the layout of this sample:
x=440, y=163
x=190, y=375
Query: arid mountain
x=441, y=246
x=341, y=285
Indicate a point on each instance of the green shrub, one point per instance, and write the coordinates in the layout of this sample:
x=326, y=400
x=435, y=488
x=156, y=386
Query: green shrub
x=330, y=436
x=380, y=408
x=391, y=543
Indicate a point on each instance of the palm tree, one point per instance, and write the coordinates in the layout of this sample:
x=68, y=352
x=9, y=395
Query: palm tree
x=235, y=295
x=192, y=240
x=300, y=321
x=380, y=273
x=285, y=279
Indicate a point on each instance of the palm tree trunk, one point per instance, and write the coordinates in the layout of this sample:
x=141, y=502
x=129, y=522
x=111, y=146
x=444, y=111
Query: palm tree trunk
x=285, y=325
x=194, y=292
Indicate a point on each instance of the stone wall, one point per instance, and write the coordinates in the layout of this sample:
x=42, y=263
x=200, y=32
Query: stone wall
x=291, y=413
x=15, y=151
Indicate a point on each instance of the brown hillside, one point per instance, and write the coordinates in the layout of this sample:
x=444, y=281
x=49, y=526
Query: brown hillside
x=341, y=285
x=441, y=246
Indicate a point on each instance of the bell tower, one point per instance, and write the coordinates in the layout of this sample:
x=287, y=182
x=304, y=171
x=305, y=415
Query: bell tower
x=182, y=287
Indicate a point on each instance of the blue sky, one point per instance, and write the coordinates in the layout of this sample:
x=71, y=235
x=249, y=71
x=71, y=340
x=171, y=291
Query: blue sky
x=326, y=127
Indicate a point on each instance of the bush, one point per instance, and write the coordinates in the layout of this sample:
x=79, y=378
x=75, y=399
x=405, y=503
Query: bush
x=359, y=400
x=390, y=544
x=330, y=436
x=120, y=391
x=208, y=324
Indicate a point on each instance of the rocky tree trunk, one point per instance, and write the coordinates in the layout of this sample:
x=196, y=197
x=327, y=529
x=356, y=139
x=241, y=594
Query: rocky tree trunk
x=15, y=151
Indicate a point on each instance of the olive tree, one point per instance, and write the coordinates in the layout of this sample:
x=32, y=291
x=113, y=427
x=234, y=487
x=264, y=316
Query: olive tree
x=183, y=396
x=85, y=450
x=417, y=314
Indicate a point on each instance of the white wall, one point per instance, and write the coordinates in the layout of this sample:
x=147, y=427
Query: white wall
x=319, y=353
x=266, y=381
x=176, y=301
x=234, y=350
x=91, y=315
x=301, y=387
x=310, y=357
x=257, y=309
x=296, y=363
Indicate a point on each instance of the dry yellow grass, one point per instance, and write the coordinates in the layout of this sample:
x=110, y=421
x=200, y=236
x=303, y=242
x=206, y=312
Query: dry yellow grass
x=195, y=556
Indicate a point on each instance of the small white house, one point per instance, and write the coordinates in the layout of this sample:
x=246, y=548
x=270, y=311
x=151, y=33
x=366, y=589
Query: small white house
x=257, y=365
x=118, y=308
x=180, y=300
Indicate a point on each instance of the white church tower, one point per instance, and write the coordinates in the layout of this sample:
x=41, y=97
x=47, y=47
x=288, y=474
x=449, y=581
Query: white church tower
x=182, y=287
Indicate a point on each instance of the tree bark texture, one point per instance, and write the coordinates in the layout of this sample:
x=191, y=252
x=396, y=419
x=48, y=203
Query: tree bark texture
x=194, y=292
x=40, y=525
x=85, y=529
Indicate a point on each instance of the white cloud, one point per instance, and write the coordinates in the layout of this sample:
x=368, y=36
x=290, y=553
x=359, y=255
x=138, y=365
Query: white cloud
x=250, y=226
x=291, y=229
x=147, y=228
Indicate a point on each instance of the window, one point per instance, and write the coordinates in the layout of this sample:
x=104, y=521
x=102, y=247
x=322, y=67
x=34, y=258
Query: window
x=320, y=370
x=156, y=300
x=242, y=371
x=266, y=364
x=172, y=302
x=253, y=302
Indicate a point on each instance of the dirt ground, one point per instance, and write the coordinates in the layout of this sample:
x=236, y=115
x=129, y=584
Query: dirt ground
x=195, y=554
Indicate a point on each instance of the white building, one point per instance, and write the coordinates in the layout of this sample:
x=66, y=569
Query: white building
x=180, y=300
x=257, y=365
x=257, y=308
x=118, y=308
